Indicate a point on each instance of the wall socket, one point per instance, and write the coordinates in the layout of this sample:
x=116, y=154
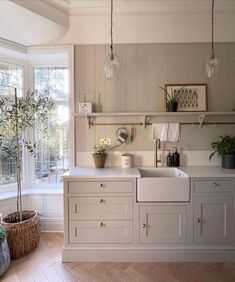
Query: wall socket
x=105, y=141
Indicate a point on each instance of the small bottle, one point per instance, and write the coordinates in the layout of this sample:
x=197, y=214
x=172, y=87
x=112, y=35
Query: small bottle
x=176, y=158
x=169, y=159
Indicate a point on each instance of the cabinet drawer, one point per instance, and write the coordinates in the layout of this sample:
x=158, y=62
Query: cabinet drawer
x=97, y=208
x=76, y=187
x=213, y=185
x=104, y=232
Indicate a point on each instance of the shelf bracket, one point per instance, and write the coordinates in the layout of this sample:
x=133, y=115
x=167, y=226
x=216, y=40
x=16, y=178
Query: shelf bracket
x=145, y=121
x=89, y=121
x=201, y=120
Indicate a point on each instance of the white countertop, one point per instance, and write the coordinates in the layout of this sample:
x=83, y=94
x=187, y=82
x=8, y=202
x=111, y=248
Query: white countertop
x=108, y=172
x=208, y=171
x=117, y=172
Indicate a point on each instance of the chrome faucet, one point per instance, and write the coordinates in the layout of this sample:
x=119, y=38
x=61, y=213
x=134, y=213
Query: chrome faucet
x=158, y=146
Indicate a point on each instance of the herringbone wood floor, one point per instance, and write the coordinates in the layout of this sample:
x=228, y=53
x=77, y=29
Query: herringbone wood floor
x=44, y=264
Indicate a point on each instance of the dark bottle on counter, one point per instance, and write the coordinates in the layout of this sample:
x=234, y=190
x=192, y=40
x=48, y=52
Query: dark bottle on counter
x=176, y=158
x=169, y=159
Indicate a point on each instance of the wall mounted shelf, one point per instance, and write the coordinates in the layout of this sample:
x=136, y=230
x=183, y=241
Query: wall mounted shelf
x=148, y=115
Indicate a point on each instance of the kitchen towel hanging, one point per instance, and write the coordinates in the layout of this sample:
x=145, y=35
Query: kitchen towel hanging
x=166, y=132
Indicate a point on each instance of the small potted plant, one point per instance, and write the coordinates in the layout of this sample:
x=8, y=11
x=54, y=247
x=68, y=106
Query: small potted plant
x=4, y=252
x=225, y=148
x=99, y=155
x=171, y=99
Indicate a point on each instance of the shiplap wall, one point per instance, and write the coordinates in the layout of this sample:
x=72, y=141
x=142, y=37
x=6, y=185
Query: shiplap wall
x=143, y=68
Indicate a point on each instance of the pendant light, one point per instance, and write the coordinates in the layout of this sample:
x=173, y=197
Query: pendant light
x=212, y=63
x=111, y=64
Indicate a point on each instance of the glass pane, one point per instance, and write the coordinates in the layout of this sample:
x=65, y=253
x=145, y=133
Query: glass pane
x=52, y=147
x=11, y=76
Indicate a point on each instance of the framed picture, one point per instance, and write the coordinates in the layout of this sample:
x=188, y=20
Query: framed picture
x=190, y=97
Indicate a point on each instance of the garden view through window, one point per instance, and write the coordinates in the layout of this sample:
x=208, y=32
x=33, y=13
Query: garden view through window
x=11, y=76
x=51, y=159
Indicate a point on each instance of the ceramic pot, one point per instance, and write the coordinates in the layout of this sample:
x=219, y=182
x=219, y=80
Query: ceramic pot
x=172, y=106
x=4, y=257
x=228, y=161
x=99, y=160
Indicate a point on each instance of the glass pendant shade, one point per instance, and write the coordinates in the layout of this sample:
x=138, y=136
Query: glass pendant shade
x=111, y=67
x=212, y=67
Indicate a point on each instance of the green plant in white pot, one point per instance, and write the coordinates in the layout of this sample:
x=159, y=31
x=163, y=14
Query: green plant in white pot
x=225, y=148
x=23, y=226
x=99, y=155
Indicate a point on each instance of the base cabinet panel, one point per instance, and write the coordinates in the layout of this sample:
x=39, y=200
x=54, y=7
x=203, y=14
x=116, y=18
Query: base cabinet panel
x=213, y=221
x=163, y=224
x=104, y=232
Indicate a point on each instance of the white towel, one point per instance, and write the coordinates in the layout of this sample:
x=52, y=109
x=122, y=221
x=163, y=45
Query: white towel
x=159, y=131
x=173, y=133
x=166, y=132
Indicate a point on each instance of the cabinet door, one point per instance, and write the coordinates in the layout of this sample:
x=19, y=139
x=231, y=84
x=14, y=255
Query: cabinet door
x=213, y=218
x=163, y=224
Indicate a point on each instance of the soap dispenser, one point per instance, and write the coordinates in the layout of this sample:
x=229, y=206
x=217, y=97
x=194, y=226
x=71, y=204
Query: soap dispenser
x=176, y=158
x=169, y=159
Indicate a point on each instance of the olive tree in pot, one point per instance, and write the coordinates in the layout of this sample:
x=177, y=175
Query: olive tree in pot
x=23, y=226
x=226, y=149
x=4, y=252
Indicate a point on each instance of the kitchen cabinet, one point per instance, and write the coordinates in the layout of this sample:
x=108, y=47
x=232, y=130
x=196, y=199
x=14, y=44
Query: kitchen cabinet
x=99, y=211
x=163, y=224
x=213, y=211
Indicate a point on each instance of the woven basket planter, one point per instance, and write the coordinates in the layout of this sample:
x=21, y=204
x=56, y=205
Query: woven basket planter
x=22, y=237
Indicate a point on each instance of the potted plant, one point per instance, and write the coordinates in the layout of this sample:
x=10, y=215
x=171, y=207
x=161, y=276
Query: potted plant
x=4, y=252
x=171, y=99
x=225, y=148
x=99, y=155
x=23, y=226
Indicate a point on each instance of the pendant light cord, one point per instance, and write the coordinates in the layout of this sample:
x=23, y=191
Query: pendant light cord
x=111, y=32
x=212, y=31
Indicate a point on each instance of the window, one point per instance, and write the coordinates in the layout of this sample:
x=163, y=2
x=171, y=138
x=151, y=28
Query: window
x=52, y=150
x=11, y=76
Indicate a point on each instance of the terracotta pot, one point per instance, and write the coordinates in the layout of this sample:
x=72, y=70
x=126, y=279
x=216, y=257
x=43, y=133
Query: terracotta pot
x=99, y=160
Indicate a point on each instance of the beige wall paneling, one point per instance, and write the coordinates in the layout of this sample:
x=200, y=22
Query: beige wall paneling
x=143, y=68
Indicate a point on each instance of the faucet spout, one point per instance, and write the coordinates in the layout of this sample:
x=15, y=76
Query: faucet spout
x=158, y=147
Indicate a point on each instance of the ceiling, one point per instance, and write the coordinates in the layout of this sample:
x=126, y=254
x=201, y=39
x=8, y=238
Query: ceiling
x=40, y=22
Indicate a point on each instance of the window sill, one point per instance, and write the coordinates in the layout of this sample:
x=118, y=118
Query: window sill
x=33, y=191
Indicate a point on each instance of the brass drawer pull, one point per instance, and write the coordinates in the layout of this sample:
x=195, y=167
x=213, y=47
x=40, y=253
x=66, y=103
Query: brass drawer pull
x=102, y=224
x=101, y=185
x=198, y=220
x=143, y=225
x=101, y=201
x=214, y=184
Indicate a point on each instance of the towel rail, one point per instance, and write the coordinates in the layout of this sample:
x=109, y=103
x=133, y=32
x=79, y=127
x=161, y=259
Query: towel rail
x=150, y=123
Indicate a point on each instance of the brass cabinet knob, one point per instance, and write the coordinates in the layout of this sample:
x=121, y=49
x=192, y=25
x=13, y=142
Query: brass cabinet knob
x=101, y=185
x=143, y=225
x=101, y=224
x=101, y=201
x=198, y=220
x=214, y=184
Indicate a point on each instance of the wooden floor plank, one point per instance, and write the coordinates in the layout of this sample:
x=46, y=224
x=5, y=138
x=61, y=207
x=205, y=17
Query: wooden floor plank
x=44, y=264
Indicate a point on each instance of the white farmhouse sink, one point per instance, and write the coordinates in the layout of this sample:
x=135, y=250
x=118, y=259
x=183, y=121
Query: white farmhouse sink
x=163, y=185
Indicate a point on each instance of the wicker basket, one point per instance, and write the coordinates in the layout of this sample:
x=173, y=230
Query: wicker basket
x=22, y=237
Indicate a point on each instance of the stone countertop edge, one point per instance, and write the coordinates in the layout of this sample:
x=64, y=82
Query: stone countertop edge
x=117, y=172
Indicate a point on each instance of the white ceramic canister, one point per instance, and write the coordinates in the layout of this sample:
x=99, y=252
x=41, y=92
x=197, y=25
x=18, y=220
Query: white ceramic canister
x=127, y=160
